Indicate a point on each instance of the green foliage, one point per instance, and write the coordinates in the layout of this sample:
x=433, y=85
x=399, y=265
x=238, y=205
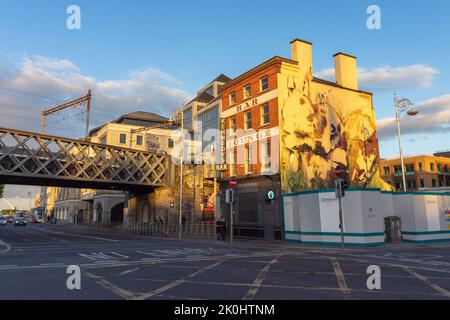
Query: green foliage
x=2, y=189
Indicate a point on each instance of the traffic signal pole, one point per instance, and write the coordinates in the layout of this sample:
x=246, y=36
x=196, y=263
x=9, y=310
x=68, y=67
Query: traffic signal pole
x=341, y=215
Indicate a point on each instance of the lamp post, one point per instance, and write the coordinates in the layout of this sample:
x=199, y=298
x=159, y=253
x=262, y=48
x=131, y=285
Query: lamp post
x=401, y=106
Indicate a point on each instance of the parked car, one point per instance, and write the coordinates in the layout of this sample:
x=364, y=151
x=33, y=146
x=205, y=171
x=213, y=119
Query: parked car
x=3, y=221
x=20, y=221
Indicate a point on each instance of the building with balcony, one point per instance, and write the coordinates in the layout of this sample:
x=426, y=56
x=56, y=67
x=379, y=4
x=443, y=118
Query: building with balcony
x=423, y=172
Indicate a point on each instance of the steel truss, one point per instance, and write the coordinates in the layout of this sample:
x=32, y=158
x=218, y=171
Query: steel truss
x=31, y=157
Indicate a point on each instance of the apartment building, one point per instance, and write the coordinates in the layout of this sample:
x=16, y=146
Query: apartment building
x=423, y=172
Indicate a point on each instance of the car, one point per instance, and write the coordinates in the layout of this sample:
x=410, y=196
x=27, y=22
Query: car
x=3, y=221
x=20, y=221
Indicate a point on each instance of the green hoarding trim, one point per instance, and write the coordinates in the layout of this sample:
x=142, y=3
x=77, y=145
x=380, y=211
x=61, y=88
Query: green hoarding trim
x=330, y=190
x=373, y=244
x=416, y=233
x=337, y=234
x=426, y=241
x=425, y=193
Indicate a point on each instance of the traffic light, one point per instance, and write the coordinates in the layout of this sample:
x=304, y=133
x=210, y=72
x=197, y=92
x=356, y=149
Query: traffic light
x=341, y=185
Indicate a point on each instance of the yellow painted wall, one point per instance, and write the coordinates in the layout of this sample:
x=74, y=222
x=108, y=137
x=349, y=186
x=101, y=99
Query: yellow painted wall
x=322, y=126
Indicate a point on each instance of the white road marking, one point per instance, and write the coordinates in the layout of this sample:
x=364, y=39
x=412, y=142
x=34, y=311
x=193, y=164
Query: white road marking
x=8, y=247
x=259, y=280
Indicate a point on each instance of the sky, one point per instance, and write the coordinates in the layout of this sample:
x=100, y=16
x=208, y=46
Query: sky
x=155, y=55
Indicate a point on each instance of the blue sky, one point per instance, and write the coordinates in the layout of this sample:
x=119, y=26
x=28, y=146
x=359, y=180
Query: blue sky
x=175, y=47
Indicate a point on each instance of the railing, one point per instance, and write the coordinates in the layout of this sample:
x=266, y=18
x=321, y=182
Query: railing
x=203, y=230
x=28, y=156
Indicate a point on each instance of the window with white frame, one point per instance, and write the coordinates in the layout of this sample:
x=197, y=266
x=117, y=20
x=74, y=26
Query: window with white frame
x=265, y=114
x=248, y=120
x=247, y=91
x=232, y=98
x=264, y=83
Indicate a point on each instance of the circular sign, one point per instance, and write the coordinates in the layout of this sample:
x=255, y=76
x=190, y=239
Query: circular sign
x=233, y=182
x=339, y=171
x=270, y=195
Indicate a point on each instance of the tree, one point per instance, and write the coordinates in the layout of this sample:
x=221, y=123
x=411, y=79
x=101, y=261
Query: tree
x=2, y=188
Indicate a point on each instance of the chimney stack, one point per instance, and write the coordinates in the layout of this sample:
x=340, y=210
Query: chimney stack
x=302, y=53
x=345, y=69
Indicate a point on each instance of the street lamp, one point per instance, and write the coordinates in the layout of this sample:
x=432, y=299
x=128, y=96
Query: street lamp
x=401, y=106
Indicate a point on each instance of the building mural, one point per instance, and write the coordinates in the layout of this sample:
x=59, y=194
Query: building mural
x=322, y=126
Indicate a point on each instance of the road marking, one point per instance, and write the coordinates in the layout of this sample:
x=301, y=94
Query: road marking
x=259, y=280
x=8, y=247
x=9, y=266
x=428, y=282
x=340, y=276
x=127, y=295
x=128, y=271
x=176, y=283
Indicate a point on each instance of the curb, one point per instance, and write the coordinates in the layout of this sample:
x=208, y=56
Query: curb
x=6, y=246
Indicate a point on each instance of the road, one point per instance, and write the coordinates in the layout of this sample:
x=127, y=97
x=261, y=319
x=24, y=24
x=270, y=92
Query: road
x=34, y=261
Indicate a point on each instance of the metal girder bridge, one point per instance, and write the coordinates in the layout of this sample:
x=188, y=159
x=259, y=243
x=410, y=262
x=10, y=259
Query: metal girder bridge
x=28, y=158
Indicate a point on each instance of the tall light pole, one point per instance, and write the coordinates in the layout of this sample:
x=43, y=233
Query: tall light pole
x=402, y=105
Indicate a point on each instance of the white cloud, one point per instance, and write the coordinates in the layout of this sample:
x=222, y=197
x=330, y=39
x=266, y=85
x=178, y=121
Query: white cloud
x=41, y=81
x=389, y=78
x=433, y=117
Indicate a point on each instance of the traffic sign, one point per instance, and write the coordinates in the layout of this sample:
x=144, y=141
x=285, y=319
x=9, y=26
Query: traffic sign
x=270, y=195
x=233, y=183
x=339, y=171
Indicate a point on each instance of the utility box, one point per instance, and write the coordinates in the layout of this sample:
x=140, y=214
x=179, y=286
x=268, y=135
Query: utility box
x=393, y=229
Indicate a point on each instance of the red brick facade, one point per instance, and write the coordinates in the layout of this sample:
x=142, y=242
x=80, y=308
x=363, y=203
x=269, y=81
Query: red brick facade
x=253, y=78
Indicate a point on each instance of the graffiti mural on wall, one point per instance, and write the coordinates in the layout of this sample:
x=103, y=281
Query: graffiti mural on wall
x=324, y=126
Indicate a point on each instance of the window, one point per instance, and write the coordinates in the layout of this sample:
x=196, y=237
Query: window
x=103, y=139
x=232, y=163
x=420, y=166
x=233, y=124
x=247, y=91
x=433, y=183
x=422, y=183
x=248, y=160
x=439, y=167
x=398, y=185
x=123, y=138
x=139, y=140
x=265, y=156
x=170, y=143
x=387, y=171
x=248, y=120
x=432, y=167
x=265, y=114
x=409, y=168
x=264, y=83
x=411, y=184
x=397, y=169
x=232, y=98
x=446, y=168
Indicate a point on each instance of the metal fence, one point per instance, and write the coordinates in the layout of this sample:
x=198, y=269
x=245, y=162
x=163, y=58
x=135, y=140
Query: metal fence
x=203, y=230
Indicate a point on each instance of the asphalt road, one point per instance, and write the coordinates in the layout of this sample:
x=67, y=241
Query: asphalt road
x=34, y=261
